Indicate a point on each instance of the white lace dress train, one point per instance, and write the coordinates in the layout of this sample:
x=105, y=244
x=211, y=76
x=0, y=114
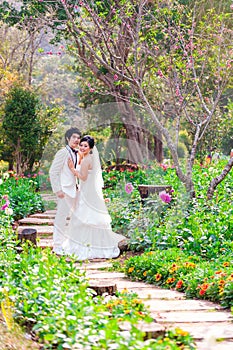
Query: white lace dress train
x=89, y=233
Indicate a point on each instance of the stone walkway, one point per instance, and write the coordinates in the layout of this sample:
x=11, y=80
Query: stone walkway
x=209, y=324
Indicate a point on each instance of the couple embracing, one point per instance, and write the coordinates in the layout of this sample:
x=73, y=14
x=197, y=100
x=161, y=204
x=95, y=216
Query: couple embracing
x=76, y=179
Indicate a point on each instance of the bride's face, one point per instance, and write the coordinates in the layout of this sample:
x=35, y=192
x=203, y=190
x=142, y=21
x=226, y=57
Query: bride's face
x=84, y=148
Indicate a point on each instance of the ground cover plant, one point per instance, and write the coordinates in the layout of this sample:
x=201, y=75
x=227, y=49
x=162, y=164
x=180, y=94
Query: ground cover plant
x=22, y=196
x=49, y=297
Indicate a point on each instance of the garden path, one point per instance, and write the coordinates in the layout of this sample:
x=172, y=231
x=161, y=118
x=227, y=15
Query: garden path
x=210, y=325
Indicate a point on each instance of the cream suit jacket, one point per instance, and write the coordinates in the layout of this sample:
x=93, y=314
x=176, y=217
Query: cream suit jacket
x=61, y=177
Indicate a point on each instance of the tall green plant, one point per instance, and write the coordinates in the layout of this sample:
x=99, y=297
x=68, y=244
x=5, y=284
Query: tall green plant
x=26, y=125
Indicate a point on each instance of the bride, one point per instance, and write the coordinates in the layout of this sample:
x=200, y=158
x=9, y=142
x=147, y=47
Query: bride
x=89, y=233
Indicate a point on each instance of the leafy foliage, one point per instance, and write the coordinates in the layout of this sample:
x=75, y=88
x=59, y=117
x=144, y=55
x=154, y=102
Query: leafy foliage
x=27, y=127
x=50, y=296
x=23, y=196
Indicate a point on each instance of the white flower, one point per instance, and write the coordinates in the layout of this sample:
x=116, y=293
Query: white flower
x=8, y=211
x=1, y=181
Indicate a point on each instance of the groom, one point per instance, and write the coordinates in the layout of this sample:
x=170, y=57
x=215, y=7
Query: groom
x=64, y=185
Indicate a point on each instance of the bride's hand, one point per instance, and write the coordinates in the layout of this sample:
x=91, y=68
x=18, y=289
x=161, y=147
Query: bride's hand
x=71, y=164
x=71, y=167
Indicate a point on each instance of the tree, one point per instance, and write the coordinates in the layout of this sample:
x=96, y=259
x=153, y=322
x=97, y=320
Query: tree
x=181, y=49
x=27, y=126
x=19, y=46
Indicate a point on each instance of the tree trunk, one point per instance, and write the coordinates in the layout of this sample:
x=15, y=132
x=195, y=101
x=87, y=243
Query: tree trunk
x=214, y=183
x=158, y=149
x=135, y=135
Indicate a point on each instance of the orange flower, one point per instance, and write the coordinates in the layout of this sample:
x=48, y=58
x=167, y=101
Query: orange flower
x=170, y=280
x=158, y=277
x=190, y=264
x=202, y=292
x=221, y=282
x=130, y=269
x=226, y=263
x=205, y=286
x=179, y=284
x=144, y=273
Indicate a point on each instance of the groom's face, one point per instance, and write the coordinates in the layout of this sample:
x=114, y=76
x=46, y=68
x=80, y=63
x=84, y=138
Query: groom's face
x=74, y=140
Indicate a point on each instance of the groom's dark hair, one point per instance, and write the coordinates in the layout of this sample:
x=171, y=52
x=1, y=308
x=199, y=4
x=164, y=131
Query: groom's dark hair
x=70, y=132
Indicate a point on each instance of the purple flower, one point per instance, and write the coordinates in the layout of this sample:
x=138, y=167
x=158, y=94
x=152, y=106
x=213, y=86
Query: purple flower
x=128, y=188
x=165, y=197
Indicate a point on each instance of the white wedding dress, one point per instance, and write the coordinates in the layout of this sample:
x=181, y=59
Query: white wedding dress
x=89, y=233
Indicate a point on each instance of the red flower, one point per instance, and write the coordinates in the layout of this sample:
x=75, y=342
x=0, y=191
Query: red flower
x=179, y=284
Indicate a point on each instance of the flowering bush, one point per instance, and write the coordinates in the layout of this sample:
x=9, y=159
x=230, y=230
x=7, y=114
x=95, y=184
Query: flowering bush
x=6, y=212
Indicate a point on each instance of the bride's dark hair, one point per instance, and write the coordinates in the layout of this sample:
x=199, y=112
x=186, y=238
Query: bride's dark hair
x=90, y=140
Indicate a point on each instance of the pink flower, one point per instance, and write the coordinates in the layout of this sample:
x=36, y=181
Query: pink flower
x=160, y=73
x=115, y=77
x=7, y=203
x=128, y=188
x=163, y=166
x=165, y=197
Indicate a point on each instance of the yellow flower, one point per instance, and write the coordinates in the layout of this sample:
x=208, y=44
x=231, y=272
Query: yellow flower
x=158, y=276
x=127, y=312
x=181, y=332
x=130, y=269
x=144, y=273
x=226, y=263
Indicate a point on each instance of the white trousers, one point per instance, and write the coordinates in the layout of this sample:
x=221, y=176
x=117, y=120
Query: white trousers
x=65, y=206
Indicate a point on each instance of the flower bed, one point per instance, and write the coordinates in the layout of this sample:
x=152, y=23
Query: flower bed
x=173, y=269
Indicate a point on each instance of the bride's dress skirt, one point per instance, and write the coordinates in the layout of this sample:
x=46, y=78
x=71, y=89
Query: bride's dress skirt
x=89, y=232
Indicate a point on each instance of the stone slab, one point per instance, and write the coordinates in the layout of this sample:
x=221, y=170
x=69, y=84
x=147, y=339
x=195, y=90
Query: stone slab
x=94, y=265
x=180, y=305
x=214, y=345
x=149, y=292
x=191, y=316
x=104, y=275
x=223, y=330
x=50, y=211
x=48, y=196
x=36, y=221
x=45, y=243
x=45, y=230
x=42, y=216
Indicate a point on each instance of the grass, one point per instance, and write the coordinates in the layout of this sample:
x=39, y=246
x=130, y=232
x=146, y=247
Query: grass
x=14, y=339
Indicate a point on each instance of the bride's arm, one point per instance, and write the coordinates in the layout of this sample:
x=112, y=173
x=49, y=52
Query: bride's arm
x=83, y=173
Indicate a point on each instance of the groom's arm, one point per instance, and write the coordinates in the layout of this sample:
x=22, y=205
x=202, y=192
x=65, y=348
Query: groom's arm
x=55, y=172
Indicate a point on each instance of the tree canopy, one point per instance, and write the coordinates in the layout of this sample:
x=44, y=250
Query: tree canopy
x=172, y=58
